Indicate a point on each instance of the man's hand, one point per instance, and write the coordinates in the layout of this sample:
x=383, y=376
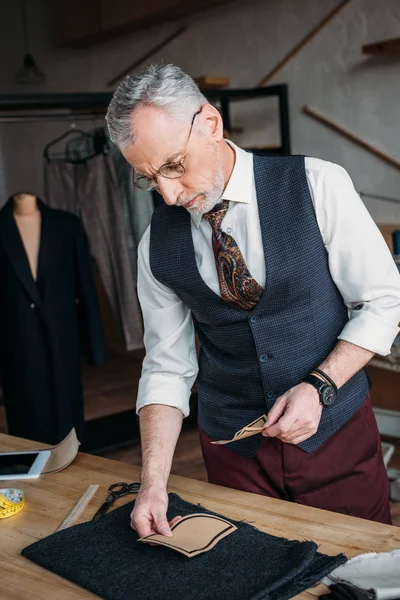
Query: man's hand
x=295, y=415
x=150, y=512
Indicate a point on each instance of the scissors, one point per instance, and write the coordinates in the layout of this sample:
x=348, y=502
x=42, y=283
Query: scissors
x=116, y=490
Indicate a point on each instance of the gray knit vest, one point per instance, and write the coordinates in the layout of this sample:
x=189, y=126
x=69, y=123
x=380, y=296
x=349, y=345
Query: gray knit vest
x=249, y=359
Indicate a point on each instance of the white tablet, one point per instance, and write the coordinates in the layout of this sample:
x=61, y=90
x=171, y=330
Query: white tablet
x=23, y=465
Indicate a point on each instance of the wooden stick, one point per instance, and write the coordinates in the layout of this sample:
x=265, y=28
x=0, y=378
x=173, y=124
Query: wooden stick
x=351, y=136
x=303, y=43
x=385, y=46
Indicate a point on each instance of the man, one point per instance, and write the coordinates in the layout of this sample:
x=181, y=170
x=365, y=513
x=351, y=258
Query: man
x=277, y=266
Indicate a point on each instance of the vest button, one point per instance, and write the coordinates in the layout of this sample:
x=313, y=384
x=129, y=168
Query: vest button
x=253, y=319
x=263, y=358
x=33, y=306
x=270, y=395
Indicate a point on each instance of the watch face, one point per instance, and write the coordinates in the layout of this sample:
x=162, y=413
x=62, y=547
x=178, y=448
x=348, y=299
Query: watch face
x=328, y=395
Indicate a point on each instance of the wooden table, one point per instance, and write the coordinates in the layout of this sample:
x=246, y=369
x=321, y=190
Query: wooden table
x=49, y=498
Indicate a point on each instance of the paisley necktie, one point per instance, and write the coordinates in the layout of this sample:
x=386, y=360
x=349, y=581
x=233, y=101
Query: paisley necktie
x=236, y=284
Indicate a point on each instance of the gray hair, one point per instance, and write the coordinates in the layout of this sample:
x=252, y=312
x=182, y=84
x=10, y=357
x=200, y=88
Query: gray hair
x=163, y=86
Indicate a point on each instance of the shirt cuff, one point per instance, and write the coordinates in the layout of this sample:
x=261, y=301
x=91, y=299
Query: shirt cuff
x=163, y=388
x=370, y=332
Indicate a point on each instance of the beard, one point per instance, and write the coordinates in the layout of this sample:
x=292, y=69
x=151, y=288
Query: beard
x=207, y=199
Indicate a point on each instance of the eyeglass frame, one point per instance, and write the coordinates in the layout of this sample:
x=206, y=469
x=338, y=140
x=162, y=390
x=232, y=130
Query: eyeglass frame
x=167, y=164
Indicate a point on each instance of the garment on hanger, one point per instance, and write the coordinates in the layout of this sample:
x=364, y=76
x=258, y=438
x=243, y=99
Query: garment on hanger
x=84, y=181
x=44, y=325
x=105, y=558
x=138, y=205
x=96, y=143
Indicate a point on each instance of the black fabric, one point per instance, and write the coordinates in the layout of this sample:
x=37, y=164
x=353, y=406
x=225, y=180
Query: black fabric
x=43, y=329
x=345, y=591
x=248, y=359
x=105, y=558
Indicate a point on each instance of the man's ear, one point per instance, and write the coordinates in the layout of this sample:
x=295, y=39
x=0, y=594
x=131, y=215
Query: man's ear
x=212, y=121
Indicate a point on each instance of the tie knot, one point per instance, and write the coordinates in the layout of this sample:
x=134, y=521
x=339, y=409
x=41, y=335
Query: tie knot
x=217, y=214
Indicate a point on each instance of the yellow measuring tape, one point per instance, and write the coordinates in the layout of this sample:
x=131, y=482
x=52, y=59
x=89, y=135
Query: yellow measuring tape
x=12, y=501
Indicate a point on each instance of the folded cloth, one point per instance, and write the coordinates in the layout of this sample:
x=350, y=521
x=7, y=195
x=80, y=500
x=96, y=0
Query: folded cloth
x=105, y=558
x=379, y=572
x=344, y=591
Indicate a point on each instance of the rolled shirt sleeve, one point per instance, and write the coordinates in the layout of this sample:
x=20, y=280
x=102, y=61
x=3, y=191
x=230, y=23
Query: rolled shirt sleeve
x=360, y=262
x=170, y=366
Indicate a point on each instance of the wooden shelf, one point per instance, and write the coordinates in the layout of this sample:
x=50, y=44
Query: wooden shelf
x=383, y=47
x=207, y=82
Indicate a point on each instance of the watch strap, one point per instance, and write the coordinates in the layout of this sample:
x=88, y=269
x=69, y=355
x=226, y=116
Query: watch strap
x=328, y=379
x=315, y=381
x=323, y=388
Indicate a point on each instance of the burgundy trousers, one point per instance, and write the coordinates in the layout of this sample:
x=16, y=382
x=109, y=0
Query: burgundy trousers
x=345, y=475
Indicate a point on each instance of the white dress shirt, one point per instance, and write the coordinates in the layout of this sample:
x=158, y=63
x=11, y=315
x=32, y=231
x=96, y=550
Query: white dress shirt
x=360, y=264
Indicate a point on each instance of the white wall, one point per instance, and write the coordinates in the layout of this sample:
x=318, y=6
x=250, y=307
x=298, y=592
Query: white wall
x=243, y=41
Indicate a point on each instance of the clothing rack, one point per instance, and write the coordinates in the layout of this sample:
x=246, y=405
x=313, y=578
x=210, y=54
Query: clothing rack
x=77, y=101
x=93, y=105
x=51, y=118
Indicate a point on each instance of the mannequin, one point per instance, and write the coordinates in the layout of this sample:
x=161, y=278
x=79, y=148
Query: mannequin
x=48, y=314
x=28, y=219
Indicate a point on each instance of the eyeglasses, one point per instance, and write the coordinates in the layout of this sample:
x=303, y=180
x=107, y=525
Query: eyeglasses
x=170, y=170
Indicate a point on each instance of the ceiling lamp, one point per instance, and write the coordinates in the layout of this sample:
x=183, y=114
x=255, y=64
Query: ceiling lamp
x=29, y=72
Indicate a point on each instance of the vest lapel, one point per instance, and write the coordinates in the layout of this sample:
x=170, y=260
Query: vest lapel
x=271, y=177
x=263, y=177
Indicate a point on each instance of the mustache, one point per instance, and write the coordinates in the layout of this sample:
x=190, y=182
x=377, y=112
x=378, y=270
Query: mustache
x=184, y=201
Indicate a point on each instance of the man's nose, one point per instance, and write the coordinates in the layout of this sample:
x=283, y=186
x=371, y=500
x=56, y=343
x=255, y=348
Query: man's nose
x=169, y=189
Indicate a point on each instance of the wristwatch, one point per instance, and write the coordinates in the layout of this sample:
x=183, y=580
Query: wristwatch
x=327, y=393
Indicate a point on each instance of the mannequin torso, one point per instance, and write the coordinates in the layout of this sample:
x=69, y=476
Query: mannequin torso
x=28, y=219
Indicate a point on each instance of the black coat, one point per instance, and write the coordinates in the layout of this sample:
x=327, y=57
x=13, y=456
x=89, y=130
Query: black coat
x=44, y=324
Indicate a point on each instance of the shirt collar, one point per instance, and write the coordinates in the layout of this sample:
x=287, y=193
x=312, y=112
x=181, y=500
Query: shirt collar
x=240, y=185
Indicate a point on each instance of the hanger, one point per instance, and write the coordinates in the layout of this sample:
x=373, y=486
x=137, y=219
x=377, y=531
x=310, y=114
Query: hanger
x=98, y=138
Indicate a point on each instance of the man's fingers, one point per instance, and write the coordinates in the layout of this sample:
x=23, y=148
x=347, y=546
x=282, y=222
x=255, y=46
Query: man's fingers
x=275, y=413
x=142, y=525
x=291, y=425
x=304, y=434
x=283, y=427
x=297, y=429
x=295, y=415
x=174, y=520
x=308, y=429
x=274, y=430
x=161, y=524
x=295, y=435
